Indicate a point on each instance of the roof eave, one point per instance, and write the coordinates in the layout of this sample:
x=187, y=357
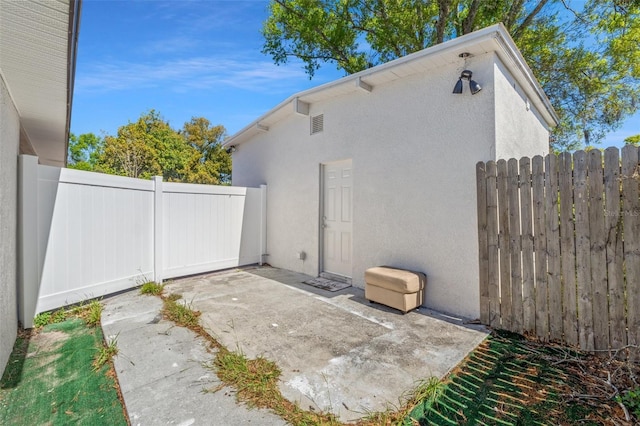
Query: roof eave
x=75, y=11
x=510, y=55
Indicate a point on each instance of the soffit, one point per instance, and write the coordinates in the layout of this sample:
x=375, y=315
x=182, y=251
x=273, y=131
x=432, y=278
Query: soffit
x=34, y=62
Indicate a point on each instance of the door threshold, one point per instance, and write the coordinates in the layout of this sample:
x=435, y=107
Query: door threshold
x=335, y=277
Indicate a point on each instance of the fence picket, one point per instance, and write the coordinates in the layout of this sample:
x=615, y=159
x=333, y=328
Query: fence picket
x=631, y=220
x=568, y=251
x=503, y=244
x=528, y=283
x=552, y=233
x=583, y=247
x=515, y=249
x=481, y=183
x=492, y=245
x=598, y=251
x=613, y=230
x=540, y=246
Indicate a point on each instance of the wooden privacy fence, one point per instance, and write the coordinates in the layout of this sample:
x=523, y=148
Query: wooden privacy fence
x=559, y=245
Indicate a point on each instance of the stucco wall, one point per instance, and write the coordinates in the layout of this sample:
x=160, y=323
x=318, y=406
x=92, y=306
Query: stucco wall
x=9, y=142
x=414, y=147
x=520, y=130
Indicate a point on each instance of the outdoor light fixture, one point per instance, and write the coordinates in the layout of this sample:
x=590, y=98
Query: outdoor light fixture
x=231, y=149
x=473, y=85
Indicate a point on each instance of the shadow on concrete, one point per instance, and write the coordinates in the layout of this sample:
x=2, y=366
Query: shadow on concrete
x=337, y=352
x=353, y=293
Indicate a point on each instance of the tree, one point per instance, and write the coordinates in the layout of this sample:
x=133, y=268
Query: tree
x=84, y=151
x=588, y=60
x=633, y=140
x=132, y=152
x=150, y=146
x=210, y=164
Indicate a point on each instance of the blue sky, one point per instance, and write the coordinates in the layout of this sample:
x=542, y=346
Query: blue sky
x=183, y=59
x=188, y=59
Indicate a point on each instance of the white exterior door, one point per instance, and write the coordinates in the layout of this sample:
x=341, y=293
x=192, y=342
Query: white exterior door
x=336, y=221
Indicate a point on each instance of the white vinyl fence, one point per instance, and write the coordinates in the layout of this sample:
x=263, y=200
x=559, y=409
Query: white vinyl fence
x=84, y=235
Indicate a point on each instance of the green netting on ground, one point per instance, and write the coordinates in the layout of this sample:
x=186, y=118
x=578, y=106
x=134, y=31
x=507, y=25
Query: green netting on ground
x=50, y=380
x=505, y=381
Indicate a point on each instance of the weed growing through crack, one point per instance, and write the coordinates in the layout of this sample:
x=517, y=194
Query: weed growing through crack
x=46, y=318
x=180, y=313
x=256, y=380
x=426, y=392
x=42, y=319
x=105, y=353
x=151, y=288
x=90, y=313
x=93, y=313
x=256, y=383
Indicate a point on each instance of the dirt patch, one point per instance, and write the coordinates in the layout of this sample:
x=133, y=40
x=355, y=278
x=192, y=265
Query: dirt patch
x=43, y=348
x=46, y=342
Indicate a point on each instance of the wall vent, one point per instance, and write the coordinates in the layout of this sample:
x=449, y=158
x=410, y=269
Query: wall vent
x=317, y=123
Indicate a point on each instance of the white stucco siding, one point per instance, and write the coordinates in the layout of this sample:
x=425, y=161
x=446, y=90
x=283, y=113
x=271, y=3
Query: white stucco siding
x=9, y=142
x=414, y=146
x=414, y=203
x=281, y=156
x=520, y=129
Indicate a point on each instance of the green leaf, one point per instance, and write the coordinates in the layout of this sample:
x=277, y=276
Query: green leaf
x=587, y=60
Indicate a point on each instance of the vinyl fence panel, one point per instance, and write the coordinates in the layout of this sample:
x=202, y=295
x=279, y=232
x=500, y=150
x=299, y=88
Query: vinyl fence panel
x=84, y=235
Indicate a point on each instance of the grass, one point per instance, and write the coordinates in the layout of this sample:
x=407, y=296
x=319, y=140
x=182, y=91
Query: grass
x=151, y=288
x=426, y=392
x=255, y=380
x=105, y=353
x=256, y=384
x=49, y=379
x=45, y=318
x=180, y=313
x=91, y=313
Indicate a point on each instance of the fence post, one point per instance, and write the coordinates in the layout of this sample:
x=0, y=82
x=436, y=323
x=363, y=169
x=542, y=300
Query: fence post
x=157, y=230
x=28, y=267
x=263, y=223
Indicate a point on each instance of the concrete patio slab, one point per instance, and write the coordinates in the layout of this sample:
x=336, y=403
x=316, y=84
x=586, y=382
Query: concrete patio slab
x=337, y=352
x=162, y=370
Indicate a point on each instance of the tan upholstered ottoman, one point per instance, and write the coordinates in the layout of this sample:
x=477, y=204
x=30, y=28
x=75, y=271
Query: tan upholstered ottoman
x=397, y=288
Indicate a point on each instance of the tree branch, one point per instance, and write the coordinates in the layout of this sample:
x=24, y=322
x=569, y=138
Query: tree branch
x=576, y=14
x=513, y=13
x=467, y=23
x=444, y=7
x=527, y=21
x=338, y=54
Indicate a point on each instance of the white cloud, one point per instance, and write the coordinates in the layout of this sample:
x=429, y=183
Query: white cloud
x=180, y=75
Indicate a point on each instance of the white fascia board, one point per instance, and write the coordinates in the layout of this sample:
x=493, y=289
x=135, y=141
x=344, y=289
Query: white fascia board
x=498, y=32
